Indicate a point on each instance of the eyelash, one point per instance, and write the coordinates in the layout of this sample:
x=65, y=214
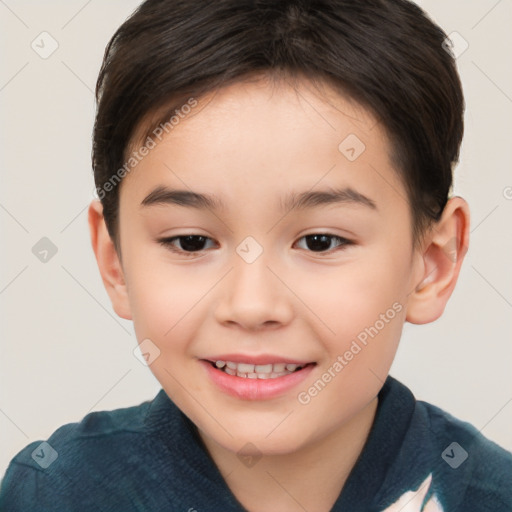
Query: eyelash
x=168, y=243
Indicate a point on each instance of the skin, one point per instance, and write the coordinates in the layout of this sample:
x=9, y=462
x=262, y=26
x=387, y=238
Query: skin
x=251, y=144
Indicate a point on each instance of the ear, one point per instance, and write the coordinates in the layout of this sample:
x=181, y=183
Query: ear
x=109, y=263
x=443, y=252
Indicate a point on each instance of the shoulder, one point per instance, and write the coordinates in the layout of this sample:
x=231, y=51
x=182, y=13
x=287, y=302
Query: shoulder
x=473, y=472
x=105, y=429
x=75, y=456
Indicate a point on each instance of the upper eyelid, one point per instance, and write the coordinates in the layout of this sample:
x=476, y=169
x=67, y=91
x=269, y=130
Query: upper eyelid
x=168, y=240
x=345, y=241
x=332, y=235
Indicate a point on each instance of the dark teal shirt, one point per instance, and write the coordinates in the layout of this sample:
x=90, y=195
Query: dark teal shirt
x=150, y=458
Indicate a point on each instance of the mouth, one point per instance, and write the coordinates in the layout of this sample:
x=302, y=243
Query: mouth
x=262, y=377
x=258, y=371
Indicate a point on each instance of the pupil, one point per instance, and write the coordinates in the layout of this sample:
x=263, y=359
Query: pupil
x=318, y=242
x=192, y=242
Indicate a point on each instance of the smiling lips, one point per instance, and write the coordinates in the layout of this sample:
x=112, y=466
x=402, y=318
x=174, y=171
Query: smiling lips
x=256, y=378
x=257, y=371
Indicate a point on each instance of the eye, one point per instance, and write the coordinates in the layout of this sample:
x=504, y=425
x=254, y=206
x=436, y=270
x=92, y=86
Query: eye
x=321, y=242
x=189, y=243
x=316, y=242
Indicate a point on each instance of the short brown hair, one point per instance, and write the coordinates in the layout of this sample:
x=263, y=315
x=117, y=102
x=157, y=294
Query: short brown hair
x=388, y=55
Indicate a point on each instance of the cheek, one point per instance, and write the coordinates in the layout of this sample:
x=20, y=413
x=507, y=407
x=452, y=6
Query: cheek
x=364, y=308
x=167, y=309
x=362, y=303
x=354, y=296
x=164, y=300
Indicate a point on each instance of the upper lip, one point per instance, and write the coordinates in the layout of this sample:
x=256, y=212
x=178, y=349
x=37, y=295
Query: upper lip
x=256, y=359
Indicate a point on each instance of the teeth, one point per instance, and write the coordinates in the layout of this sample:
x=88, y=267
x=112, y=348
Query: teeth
x=263, y=368
x=258, y=371
x=246, y=368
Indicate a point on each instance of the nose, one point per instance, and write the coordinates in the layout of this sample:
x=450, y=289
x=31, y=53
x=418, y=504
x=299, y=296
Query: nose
x=254, y=296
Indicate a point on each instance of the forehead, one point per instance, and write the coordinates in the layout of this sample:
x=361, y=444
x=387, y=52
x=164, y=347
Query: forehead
x=264, y=137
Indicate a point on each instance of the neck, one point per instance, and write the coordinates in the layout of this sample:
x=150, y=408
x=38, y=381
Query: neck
x=310, y=478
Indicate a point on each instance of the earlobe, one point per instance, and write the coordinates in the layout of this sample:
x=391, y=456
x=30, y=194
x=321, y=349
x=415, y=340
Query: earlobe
x=108, y=261
x=443, y=253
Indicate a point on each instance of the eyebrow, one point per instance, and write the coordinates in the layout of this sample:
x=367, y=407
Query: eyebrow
x=295, y=201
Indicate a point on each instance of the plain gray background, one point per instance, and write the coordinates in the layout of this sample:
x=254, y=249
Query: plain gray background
x=64, y=352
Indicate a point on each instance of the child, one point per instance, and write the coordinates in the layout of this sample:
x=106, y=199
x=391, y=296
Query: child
x=274, y=181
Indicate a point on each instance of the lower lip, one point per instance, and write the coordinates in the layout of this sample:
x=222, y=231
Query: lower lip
x=256, y=389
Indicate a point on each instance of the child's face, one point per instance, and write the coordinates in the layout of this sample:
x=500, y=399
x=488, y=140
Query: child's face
x=303, y=300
